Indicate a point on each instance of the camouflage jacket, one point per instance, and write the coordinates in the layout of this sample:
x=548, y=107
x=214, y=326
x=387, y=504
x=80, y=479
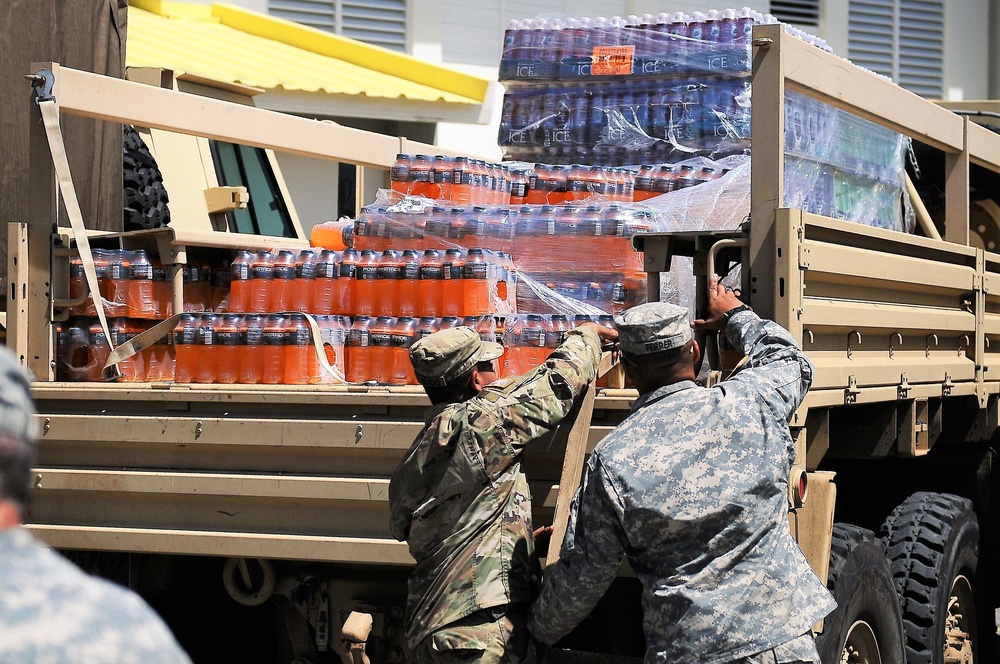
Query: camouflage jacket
x=50, y=611
x=459, y=497
x=692, y=488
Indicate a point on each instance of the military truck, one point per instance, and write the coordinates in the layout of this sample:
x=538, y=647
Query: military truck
x=255, y=517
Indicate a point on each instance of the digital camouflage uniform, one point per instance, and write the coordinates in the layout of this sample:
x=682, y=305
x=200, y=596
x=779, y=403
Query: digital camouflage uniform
x=50, y=611
x=461, y=501
x=692, y=487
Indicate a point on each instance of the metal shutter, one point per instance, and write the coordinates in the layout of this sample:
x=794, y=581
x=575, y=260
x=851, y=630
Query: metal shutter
x=804, y=12
x=378, y=22
x=903, y=39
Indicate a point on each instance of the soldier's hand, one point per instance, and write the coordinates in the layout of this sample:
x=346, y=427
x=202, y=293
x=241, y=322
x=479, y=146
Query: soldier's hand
x=607, y=334
x=720, y=300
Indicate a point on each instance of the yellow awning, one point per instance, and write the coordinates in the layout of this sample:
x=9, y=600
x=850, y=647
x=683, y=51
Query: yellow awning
x=233, y=45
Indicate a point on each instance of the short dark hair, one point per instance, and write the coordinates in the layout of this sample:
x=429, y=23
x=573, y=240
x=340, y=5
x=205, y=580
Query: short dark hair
x=16, y=458
x=455, y=391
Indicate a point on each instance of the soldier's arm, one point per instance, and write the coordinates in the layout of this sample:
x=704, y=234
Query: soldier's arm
x=589, y=559
x=777, y=368
x=538, y=401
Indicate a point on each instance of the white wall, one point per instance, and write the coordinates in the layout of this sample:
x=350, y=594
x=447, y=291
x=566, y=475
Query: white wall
x=966, y=49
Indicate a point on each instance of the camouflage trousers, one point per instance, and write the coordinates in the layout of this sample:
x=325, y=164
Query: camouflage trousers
x=800, y=650
x=490, y=636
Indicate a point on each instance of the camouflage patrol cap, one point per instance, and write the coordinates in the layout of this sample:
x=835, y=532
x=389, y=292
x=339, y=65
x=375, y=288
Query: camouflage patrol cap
x=17, y=412
x=442, y=357
x=653, y=327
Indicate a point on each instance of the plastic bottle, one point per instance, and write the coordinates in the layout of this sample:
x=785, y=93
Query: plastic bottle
x=115, y=288
x=156, y=358
x=443, y=169
x=197, y=287
x=326, y=285
x=334, y=331
x=185, y=350
x=131, y=368
x=73, y=352
x=399, y=174
x=452, y=292
x=304, y=285
x=385, y=301
x=380, y=352
x=206, y=350
x=475, y=284
x=403, y=336
x=335, y=235
x=422, y=176
x=301, y=366
x=358, y=350
x=283, y=284
x=448, y=322
x=518, y=187
x=348, y=269
x=461, y=181
x=665, y=179
x=100, y=349
x=430, y=287
x=163, y=290
x=261, y=279
x=140, y=286
x=426, y=326
x=221, y=286
x=239, y=282
x=407, y=286
x=366, y=283
x=274, y=342
x=228, y=349
x=251, y=349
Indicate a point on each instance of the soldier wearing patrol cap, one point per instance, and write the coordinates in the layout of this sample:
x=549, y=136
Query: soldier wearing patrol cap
x=50, y=611
x=461, y=501
x=693, y=487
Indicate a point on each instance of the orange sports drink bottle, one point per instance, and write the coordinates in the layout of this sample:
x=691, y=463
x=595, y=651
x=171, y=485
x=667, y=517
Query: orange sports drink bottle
x=399, y=174
x=421, y=176
x=380, y=352
x=461, y=181
x=386, y=298
x=185, y=352
x=348, y=270
x=261, y=278
x=453, y=269
x=140, y=300
x=239, y=282
x=206, y=349
x=326, y=285
x=475, y=286
x=100, y=349
x=300, y=353
x=228, y=349
x=366, y=283
x=407, y=287
x=403, y=336
x=251, y=349
x=358, y=350
x=274, y=339
x=283, y=284
x=304, y=286
x=131, y=368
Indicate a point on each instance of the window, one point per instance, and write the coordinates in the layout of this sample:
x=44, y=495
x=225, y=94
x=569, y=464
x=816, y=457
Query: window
x=266, y=213
x=804, y=12
x=902, y=39
x=377, y=22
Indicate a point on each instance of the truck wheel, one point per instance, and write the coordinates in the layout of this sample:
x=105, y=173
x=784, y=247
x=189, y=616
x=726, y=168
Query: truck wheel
x=932, y=541
x=866, y=627
x=145, y=199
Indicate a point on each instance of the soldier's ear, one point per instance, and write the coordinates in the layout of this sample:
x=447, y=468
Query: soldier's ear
x=696, y=356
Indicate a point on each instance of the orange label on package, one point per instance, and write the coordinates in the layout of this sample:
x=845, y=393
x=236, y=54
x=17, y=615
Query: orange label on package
x=612, y=60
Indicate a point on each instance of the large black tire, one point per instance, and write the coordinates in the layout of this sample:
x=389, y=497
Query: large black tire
x=867, y=625
x=145, y=199
x=932, y=541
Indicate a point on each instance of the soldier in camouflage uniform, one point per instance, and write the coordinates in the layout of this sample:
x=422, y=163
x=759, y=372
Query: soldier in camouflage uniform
x=692, y=488
x=461, y=501
x=50, y=611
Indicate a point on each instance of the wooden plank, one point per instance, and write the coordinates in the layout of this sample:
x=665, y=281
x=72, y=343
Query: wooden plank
x=576, y=451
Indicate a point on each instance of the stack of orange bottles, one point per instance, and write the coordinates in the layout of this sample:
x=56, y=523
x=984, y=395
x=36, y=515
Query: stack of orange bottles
x=305, y=282
x=327, y=283
x=301, y=365
x=344, y=301
x=261, y=278
x=461, y=181
x=185, y=351
x=283, y=284
x=274, y=339
x=251, y=349
x=431, y=284
x=239, y=282
x=228, y=349
x=163, y=291
x=443, y=168
x=386, y=299
x=421, y=176
x=358, y=350
x=408, y=285
x=403, y=336
x=366, y=283
x=206, y=349
x=452, y=292
x=399, y=174
x=131, y=368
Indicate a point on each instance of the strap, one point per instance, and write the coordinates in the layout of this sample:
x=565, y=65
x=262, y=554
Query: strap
x=50, y=119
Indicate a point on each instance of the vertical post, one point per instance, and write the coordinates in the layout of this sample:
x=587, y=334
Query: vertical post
x=956, y=191
x=17, y=284
x=788, y=272
x=43, y=219
x=767, y=120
